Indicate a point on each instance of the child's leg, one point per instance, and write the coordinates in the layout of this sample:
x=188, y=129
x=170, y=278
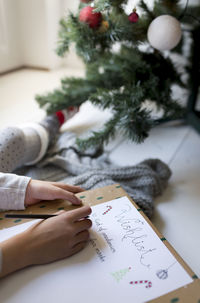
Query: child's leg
x=27, y=145
x=13, y=147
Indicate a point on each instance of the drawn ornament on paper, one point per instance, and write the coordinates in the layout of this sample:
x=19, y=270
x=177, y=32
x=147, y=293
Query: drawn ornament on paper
x=118, y=275
x=163, y=273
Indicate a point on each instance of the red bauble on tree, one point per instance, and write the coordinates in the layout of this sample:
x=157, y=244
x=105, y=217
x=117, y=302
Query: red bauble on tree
x=133, y=17
x=87, y=15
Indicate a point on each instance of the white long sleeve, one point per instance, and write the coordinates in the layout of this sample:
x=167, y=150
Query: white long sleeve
x=12, y=191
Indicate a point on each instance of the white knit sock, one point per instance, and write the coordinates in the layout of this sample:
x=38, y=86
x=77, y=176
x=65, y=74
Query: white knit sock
x=36, y=142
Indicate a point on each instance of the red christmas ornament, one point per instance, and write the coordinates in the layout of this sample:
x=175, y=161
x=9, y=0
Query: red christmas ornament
x=133, y=17
x=61, y=117
x=87, y=15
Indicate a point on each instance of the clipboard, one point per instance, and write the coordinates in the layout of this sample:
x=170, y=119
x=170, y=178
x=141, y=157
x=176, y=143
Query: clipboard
x=187, y=294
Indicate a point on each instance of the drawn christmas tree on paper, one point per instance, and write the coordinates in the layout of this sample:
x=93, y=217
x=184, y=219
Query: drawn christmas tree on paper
x=118, y=275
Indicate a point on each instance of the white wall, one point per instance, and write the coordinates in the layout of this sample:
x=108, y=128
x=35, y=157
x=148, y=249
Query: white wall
x=38, y=20
x=29, y=32
x=10, y=46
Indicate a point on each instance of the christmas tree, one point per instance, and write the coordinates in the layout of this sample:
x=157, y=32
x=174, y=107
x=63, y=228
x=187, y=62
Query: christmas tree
x=127, y=68
x=118, y=275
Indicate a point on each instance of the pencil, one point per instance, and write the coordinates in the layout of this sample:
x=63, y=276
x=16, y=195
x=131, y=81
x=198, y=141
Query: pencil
x=29, y=216
x=32, y=216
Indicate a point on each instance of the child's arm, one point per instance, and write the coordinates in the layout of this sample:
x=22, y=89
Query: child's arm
x=12, y=191
x=49, y=240
x=16, y=192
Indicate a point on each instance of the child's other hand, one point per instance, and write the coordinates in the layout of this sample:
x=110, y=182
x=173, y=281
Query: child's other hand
x=43, y=190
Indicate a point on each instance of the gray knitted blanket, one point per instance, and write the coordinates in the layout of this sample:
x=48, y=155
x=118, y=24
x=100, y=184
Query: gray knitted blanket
x=92, y=169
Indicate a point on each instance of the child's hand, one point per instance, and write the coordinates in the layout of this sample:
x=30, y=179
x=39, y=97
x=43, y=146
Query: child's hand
x=59, y=237
x=42, y=190
x=47, y=241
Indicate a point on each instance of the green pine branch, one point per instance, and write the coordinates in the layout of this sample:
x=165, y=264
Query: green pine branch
x=74, y=92
x=105, y=5
x=98, y=138
x=168, y=7
x=147, y=11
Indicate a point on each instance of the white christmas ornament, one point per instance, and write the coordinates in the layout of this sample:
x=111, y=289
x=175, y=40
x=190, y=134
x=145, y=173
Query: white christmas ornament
x=164, y=32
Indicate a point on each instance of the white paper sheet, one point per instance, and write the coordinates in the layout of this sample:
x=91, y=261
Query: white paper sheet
x=125, y=261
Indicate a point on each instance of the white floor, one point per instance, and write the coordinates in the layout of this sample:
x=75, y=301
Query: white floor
x=177, y=211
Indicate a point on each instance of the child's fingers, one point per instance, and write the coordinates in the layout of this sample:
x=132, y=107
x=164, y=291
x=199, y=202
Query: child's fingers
x=60, y=193
x=79, y=213
x=78, y=247
x=83, y=225
x=80, y=237
x=72, y=188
